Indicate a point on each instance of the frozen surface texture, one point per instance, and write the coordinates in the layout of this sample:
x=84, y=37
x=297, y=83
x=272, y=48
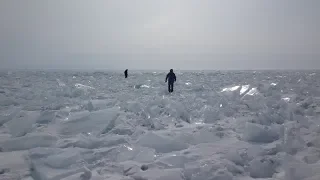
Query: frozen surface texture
x=220, y=125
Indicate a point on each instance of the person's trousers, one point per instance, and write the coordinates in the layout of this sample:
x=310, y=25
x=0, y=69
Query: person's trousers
x=170, y=86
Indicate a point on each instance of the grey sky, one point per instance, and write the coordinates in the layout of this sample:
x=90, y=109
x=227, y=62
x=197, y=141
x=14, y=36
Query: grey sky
x=158, y=34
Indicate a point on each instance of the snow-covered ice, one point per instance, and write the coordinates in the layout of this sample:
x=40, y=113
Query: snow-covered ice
x=218, y=125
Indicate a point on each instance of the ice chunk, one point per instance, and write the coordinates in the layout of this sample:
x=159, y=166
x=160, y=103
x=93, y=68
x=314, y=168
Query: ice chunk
x=157, y=174
x=7, y=116
x=296, y=170
x=198, y=88
x=80, y=141
x=211, y=115
x=222, y=175
x=22, y=123
x=29, y=141
x=135, y=153
x=174, y=161
x=94, y=121
x=244, y=89
x=84, y=87
x=73, y=116
x=204, y=135
x=207, y=169
x=234, y=88
x=234, y=169
x=235, y=157
x=316, y=177
x=160, y=144
x=111, y=124
x=61, y=164
x=97, y=104
x=293, y=141
x=155, y=123
x=7, y=101
x=179, y=111
x=62, y=160
x=286, y=99
x=43, y=152
x=145, y=86
x=259, y=133
x=253, y=92
x=92, y=142
x=122, y=130
x=61, y=84
x=109, y=140
x=134, y=107
x=262, y=168
x=315, y=141
x=90, y=106
x=86, y=175
x=254, y=103
x=46, y=117
x=307, y=102
x=14, y=162
x=253, y=152
x=43, y=172
x=312, y=156
x=138, y=86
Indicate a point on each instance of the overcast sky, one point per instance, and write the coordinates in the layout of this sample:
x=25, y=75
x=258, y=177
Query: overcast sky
x=160, y=34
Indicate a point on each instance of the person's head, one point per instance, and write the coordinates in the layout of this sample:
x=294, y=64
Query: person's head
x=171, y=70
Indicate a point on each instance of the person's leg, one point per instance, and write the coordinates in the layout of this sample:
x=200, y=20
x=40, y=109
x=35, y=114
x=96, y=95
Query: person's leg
x=169, y=87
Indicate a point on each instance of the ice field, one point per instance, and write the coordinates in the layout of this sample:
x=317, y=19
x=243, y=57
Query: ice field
x=220, y=125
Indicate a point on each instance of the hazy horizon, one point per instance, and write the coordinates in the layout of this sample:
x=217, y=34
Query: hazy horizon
x=150, y=34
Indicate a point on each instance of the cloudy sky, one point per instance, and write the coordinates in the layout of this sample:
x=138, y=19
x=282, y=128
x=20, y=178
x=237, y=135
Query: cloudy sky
x=160, y=34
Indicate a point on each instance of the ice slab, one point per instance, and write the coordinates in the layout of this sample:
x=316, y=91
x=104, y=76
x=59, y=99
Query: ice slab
x=97, y=104
x=211, y=115
x=258, y=133
x=160, y=144
x=262, y=168
x=87, y=175
x=174, y=161
x=233, y=88
x=57, y=164
x=46, y=117
x=28, y=142
x=8, y=115
x=7, y=101
x=91, y=142
x=84, y=87
x=132, y=153
x=90, y=122
x=157, y=174
x=23, y=123
x=14, y=163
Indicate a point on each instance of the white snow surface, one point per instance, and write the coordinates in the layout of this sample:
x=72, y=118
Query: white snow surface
x=219, y=125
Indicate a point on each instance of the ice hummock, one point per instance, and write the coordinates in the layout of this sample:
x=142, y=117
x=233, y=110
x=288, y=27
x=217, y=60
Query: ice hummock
x=220, y=125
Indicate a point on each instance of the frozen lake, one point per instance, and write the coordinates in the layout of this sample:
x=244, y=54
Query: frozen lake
x=220, y=125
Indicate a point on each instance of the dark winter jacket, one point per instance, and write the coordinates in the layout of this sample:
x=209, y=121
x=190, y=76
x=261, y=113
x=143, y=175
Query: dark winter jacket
x=171, y=77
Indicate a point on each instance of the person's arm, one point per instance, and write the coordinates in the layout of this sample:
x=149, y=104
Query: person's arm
x=167, y=77
x=175, y=78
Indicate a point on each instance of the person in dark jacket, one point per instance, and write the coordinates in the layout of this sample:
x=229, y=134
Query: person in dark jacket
x=171, y=78
x=126, y=73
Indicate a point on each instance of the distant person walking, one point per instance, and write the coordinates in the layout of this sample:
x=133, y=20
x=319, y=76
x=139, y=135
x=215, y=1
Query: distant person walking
x=171, y=78
x=126, y=73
